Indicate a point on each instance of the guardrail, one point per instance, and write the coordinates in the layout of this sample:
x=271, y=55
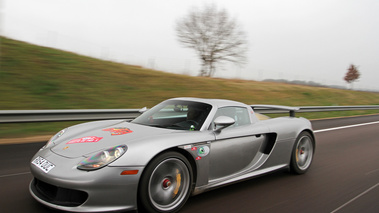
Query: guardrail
x=317, y=109
x=25, y=116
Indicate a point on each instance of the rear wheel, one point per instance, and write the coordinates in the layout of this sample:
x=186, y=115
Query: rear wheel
x=302, y=153
x=166, y=183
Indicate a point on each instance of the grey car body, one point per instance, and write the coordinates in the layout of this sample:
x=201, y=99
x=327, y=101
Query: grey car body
x=227, y=144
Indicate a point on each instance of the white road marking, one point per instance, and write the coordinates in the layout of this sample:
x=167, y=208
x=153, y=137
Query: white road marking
x=373, y=171
x=360, y=195
x=10, y=175
x=344, y=127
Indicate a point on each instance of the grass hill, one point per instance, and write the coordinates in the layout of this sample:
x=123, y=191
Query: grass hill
x=35, y=77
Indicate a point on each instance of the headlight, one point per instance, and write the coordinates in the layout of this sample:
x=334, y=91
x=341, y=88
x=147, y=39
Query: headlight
x=55, y=137
x=102, y=158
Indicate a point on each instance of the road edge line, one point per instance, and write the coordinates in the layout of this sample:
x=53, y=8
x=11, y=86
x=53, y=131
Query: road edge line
x=344, y=127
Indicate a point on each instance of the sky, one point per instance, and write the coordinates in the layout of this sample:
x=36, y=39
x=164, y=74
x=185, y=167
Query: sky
x=308, y=40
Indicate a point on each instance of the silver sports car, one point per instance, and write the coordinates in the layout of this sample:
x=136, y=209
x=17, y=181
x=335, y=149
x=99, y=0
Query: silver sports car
x=181, y=147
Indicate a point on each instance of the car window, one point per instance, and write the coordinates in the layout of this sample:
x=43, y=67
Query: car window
x=171, y=111
x=239, y=114
x=176, y=114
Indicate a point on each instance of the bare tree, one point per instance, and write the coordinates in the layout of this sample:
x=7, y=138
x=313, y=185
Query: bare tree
x=214, y=36
x=352, y=74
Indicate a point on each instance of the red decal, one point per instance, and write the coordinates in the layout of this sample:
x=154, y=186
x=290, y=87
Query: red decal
x=198, y=158
x=194, y=148
x=118, y=130
x=89, y=139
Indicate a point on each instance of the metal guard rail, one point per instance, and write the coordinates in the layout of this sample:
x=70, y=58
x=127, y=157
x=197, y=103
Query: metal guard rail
x=25, y=116
x=317, y=109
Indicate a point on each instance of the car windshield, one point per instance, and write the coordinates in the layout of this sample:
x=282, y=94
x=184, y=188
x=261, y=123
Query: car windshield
x=176, y=114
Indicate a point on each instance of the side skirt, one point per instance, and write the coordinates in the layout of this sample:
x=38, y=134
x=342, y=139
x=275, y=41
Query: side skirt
x=223, y=182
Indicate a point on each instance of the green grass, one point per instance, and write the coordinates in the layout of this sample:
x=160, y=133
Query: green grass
x=34, y=77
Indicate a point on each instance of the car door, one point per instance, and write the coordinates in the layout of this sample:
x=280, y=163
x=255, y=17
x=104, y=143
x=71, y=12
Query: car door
x=236, y=148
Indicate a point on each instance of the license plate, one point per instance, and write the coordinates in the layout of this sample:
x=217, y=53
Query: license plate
x=43, y=164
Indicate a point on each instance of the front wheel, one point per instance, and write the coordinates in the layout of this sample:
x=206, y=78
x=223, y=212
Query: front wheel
x=166, y=183
x=302, y=153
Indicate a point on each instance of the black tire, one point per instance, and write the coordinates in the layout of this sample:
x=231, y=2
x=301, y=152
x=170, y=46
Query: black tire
x=166, y=183
x=302, y=153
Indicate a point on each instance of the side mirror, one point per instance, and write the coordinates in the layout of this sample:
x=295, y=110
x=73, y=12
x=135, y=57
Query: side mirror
x=222, y=122
x=143, y=110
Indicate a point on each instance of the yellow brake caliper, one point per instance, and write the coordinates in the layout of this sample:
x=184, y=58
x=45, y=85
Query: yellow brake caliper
x=297, y=155
x=178, y=181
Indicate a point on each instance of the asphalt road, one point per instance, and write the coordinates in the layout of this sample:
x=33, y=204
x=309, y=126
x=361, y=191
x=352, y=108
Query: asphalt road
x=344, y=177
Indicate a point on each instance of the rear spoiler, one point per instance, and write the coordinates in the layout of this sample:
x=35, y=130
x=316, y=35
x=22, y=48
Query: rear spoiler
x=275, y=109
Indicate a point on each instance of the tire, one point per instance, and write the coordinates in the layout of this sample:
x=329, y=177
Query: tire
x=302, y=153
x=166, y=183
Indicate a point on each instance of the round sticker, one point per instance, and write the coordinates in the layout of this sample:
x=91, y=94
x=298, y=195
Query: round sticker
x=203, y=151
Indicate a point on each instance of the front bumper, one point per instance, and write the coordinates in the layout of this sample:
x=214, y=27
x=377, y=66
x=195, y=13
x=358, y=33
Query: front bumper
x=69, y=189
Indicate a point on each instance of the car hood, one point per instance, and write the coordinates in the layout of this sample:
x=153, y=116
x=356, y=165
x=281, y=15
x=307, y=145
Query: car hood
x=90, y=138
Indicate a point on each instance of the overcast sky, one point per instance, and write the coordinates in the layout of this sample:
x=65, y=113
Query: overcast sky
x=313, y=40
